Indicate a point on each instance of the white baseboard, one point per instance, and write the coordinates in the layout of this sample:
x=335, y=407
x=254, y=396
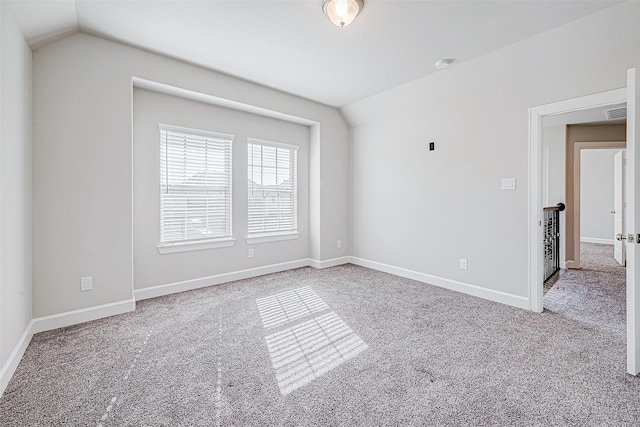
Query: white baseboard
x=465, y=288
x=47, y=323
x=330, y=262
x=188, y=285
x=12, y=362
x=563, y=265
x=61, y=320
x=596, y=240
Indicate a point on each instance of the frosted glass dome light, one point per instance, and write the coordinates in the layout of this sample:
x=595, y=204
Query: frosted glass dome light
x=342, y=12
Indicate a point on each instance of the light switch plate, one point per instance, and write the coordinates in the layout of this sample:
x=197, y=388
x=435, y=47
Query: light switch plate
x=508, y=183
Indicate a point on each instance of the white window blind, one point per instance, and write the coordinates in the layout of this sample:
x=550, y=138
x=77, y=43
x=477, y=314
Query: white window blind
x=273, y=187
x=195, y=185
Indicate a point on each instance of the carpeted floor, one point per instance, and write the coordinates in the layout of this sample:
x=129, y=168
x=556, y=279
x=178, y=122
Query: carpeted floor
x=341, y=346
x=594, y=295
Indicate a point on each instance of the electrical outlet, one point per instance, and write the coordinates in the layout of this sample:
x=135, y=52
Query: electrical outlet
x=463, y=264
x=251, y=253
x=86, y=283
x=339, y=244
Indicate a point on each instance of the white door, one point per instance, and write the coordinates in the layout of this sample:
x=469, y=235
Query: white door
x=632, y=220
x=618, y=205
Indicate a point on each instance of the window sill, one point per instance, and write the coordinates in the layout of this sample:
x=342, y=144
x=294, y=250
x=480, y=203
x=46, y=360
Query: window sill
x=266, y=238
x=171, y=248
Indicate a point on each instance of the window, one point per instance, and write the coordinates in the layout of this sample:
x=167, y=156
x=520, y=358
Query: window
x=273, y=182
x=195, y=186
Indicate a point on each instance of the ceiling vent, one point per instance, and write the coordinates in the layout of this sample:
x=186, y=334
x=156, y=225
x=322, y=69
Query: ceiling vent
x=616, y=113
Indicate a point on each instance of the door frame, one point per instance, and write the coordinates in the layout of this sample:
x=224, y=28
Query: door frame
x=577, y=195
x=536, y=114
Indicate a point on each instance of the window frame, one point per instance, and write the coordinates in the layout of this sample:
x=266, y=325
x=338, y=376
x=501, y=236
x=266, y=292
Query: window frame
x=274, y=236
x=173, y=246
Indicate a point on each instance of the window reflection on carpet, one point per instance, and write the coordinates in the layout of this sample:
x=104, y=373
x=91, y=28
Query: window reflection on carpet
x=306, y=351
x=284, y=307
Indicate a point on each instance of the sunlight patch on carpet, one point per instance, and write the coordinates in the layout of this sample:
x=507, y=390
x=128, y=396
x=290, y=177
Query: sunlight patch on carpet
x=285, y=307
x=308, y=350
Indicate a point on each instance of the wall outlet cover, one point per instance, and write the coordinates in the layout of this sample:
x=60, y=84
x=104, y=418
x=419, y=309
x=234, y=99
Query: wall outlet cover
x=86, y=283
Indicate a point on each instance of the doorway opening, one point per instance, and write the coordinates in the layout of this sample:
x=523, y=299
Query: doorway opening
x=539, y=195
x=579, y=152
x=586, y=144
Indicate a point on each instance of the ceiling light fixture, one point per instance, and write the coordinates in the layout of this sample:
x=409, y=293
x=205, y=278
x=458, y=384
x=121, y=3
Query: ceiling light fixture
x=443, y=63
x=342, y=12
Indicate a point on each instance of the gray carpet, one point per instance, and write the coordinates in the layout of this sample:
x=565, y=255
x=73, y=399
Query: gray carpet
x=594, y=295
x=341, y=346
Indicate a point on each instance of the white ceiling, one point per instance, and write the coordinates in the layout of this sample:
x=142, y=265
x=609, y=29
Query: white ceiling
x=293, y=47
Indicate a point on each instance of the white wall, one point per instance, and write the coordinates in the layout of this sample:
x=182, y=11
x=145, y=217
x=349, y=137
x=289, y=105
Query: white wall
x=422, y=211
x=154, y=269
x=82, y=165
x=553, y=186
x=15, y=188
x=554, y=177
x=596, y=195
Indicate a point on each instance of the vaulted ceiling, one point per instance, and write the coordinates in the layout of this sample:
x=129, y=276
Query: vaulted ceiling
x=293, y=47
